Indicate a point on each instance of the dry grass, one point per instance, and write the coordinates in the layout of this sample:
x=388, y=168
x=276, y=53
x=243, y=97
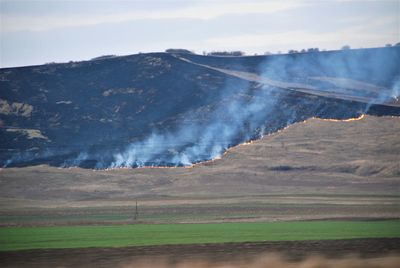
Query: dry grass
x=380, y=252
x=357, y=163
x=357, y=157
x=277, y=261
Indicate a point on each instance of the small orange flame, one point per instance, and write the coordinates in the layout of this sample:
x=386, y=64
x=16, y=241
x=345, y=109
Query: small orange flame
x=344, y=120
x=242, y=144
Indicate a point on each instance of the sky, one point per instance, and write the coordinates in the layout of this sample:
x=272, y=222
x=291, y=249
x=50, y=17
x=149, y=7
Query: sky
x=41, y=31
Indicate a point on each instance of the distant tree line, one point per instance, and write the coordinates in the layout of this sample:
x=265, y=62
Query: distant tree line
x=390, y=45
x=179, y=50
x=236, y=53
x=103, y=57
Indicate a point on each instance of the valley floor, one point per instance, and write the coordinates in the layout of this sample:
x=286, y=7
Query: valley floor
x=153, y=210
x=315, y=170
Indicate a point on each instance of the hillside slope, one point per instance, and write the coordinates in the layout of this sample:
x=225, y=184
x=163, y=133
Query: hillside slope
x=316, y=156
x=163, y=109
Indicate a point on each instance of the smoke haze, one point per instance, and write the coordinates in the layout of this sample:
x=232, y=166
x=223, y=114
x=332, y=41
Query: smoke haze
x=246, y=112
x=255, y=96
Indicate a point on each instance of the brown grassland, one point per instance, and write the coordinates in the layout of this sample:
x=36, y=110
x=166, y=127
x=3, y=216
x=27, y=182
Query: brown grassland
x=318, y=169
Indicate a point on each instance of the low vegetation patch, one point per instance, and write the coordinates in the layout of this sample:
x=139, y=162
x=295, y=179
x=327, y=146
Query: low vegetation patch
x=18, y=238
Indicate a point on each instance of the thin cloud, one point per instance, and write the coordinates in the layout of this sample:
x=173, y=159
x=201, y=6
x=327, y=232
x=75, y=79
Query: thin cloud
x=63, y=30
x=206, y=11
x=356, y=36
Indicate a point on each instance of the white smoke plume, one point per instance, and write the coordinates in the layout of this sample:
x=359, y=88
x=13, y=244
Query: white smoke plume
x=281, y=90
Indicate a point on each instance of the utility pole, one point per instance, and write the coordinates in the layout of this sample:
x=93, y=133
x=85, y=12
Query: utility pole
x=136, y=212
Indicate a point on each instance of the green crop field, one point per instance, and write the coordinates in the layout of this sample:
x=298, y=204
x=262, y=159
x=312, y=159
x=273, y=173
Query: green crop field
x=18, y=238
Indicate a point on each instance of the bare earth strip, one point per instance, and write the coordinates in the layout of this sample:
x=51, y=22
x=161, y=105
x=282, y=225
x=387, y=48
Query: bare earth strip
x=309, y=89
x=232, y=253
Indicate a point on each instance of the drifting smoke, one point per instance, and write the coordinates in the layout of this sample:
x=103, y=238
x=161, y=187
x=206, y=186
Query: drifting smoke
x=36, y=156
x=282, y=90
x=374, y=80
x=240, y=116
x=246, y=112
x=395, y=93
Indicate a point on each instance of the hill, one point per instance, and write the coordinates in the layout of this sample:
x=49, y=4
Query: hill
x=162, y=109
x=316, y=169
x=316, y=156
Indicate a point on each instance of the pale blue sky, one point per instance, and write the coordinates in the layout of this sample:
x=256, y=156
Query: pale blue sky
x=39, y=31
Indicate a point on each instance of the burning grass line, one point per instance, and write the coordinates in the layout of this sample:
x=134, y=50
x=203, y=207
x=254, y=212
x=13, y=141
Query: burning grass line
x=248, y=142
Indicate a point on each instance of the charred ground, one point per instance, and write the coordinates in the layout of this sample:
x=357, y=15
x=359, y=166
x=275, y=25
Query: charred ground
x=318, y=169
x=84, y=113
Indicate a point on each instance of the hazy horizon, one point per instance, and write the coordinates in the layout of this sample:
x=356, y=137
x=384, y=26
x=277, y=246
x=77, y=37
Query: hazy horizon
x=39, y=31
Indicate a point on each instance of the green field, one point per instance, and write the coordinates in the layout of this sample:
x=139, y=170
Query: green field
x=18, y=238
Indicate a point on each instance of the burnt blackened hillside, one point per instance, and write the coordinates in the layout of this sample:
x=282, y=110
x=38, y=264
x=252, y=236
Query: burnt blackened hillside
x=171, y=109
x=375, y=65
